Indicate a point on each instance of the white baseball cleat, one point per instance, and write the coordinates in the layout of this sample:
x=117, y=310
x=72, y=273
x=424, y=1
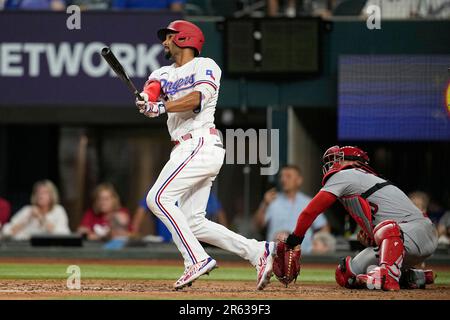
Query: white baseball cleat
x=264, y=266
x=194, y=271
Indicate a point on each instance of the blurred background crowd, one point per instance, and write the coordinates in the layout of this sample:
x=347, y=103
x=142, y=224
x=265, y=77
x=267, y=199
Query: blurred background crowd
x=107, y=220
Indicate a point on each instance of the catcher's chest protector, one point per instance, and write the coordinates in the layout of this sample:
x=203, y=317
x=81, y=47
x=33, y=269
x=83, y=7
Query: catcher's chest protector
x=359, y=208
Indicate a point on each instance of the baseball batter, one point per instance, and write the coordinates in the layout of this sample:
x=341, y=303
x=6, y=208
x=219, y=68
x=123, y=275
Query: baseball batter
x=397, y=234
x=187, y=90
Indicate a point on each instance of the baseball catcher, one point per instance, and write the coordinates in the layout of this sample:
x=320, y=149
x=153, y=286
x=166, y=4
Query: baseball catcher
x=397, y=234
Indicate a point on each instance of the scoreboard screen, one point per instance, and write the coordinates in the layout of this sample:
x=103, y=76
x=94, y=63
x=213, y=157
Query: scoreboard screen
x=394, y=97
x=273, y=46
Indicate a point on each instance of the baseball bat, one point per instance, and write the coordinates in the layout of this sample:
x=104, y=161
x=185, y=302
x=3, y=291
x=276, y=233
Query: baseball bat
x=109, y=56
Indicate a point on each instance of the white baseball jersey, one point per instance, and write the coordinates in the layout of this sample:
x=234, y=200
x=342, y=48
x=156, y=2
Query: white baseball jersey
x=199, y=74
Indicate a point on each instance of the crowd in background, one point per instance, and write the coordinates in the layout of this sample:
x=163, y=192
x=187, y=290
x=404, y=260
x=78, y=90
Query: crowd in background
x=106, y=220
x=390, y=9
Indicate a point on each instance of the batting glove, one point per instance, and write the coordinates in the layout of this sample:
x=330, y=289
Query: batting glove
x=150, y=109
x=154, y=109
x=142, y=104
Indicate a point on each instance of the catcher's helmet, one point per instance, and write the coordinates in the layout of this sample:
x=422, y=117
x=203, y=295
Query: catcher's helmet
x=187, y=31
x=333, y=157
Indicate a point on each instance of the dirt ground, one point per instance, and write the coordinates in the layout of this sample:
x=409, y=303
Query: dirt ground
x=202, y=289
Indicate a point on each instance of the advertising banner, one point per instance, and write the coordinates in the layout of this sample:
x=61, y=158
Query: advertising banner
x=51, y=58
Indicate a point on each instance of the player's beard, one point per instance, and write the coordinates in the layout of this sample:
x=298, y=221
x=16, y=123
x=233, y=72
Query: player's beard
x=167, y=54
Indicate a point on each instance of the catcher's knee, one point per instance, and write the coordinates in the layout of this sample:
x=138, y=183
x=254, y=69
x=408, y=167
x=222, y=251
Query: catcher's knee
x=344, y=275
x=385, y=230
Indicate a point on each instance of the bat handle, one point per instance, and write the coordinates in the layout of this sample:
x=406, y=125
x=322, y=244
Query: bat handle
x=138, y=95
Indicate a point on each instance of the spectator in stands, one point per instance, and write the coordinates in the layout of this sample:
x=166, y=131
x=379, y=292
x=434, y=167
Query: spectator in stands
x=214, y=212
x=323, y=243
x=444, y=228
x=436, y=9
x=273, y=8
x=173, y=5
x=322, y=8
x=107, y=219
x=421, y=200
x=394, y=9
x=43, y=216
x=91, y=4
x=55, y=5
x=278, y=212
x=5, y=212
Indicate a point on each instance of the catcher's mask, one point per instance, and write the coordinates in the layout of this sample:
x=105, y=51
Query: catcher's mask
x=334, y=156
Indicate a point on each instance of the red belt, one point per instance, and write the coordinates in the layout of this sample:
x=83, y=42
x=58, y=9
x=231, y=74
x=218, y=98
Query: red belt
x=188, y=136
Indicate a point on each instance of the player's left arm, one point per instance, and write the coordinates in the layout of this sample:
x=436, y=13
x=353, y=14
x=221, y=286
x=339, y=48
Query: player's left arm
x=207, y=82
x=188, y=102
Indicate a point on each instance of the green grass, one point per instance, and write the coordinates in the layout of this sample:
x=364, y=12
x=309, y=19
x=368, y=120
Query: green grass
x=152, y=272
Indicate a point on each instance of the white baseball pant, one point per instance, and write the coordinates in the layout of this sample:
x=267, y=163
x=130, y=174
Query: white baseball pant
x=187, y=178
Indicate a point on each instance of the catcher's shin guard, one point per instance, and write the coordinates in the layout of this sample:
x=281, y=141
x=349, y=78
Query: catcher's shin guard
x=344, y=274
x=388, y=237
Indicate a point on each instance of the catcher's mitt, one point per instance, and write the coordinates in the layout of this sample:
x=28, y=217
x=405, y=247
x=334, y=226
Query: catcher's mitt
x=286, y=265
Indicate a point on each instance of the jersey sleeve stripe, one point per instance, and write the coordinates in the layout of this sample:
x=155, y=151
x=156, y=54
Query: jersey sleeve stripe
x=206, y=82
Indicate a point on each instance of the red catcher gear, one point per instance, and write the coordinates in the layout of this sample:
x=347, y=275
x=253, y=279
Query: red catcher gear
x=344, y=274
x=191, y=34
x=360, y=210
x=334, y=156
x=388, y=237
x=379, y=278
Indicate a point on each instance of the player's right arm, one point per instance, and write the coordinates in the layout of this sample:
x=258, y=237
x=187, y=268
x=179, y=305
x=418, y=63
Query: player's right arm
x=336, y=186
x=152, y=87
x=151, y=91
x=320, y=203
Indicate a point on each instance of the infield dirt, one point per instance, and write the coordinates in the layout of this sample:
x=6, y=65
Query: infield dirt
x=201, y=289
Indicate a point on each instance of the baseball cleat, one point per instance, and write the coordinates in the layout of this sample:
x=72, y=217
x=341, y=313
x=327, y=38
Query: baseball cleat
x=379, y=279
x=416, y=278
x=264, y=266
x=194, y=271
